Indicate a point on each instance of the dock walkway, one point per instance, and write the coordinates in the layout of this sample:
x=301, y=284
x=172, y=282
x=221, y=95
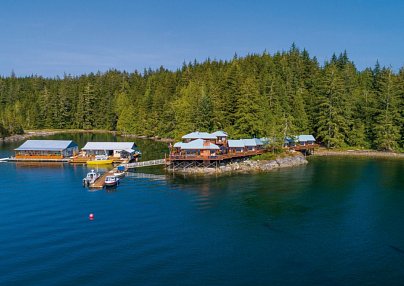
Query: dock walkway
x=100, y=182
x=144, y=164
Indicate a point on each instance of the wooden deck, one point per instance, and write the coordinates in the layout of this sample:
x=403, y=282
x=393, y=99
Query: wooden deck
x=83, y=160
x=38, y=159
x=303, y=147
x=35, y=157
x=214, y=158
x=100, y=182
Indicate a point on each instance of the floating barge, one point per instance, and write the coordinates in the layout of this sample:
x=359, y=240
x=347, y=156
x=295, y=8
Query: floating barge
x=66, y=151
x=45, y=151
x=118, y=152
x=100, y=182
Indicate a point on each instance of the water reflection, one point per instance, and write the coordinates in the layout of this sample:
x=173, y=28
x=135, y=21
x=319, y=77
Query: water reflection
x=39, y=164
x=273, y=194
x=146, y=176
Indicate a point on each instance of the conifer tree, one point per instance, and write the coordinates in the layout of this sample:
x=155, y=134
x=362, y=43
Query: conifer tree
x=275, y=96
x=332, y=125
x=250, y=112
x=387, y=117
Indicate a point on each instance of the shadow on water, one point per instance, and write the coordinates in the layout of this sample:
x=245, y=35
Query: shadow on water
x=266, y=200
x=397, y=249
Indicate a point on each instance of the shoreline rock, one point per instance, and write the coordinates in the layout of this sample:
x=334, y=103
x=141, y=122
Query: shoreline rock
x=29, y=134
x=32, y=133
x=358, y=153
x=248, y=166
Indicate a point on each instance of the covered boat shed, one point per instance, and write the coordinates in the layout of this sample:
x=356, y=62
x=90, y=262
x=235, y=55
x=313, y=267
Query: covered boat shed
x=114, y=149
x=46, y=149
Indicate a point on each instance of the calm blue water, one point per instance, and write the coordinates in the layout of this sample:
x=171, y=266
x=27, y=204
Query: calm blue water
x=336, y=221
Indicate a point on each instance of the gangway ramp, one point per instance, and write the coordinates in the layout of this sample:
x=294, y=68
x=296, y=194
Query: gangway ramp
x=144, y=164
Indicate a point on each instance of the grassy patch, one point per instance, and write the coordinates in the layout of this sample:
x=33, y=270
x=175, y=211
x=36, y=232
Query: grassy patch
x=272, y=155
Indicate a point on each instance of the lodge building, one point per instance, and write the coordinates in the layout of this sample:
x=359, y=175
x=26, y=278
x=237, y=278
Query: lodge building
x=304, y=143
x=205, y=149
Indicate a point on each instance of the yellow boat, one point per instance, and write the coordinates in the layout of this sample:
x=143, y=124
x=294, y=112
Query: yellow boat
x=100, y=160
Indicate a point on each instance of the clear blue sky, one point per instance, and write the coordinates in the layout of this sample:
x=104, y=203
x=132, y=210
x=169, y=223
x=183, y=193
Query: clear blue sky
x=50, y=38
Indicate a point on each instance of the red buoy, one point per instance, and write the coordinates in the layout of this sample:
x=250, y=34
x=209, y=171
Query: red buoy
x=91, y=216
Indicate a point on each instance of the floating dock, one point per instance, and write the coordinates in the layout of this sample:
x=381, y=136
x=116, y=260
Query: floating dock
x=100, y=182
x=144, y=164
x=83, y=160
x=13, y=159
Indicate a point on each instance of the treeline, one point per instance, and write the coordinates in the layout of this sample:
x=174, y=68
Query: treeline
x=277, y=95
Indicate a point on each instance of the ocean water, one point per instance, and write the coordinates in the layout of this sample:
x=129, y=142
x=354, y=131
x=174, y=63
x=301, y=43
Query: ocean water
x=336, y=221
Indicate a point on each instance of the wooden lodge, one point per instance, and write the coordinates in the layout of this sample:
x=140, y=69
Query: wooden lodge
x=196, y=148
x=46, y=150
x=221, y=137
x=218, y=137
x=304, y=143
x=199, y=135
x=204, y=149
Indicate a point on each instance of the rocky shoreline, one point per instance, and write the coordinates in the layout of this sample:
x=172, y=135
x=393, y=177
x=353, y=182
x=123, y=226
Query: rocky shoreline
x=359, y=153
x=34, y=133
x=248, y=166
x=26, y=135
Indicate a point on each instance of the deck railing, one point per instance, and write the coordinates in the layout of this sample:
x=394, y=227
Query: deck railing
x=39, y=157
x=303, y=147
x=190, y=157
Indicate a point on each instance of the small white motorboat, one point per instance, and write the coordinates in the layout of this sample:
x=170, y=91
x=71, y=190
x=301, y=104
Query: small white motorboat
x=91, y=177
x=111, y=181
x=119, y=174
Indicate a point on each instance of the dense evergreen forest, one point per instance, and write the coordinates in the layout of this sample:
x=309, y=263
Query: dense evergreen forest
x=277, y=95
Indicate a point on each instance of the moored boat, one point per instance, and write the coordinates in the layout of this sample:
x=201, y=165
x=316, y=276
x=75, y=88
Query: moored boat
x=100, y=160
x=111, y=181
x=120, y=172
x=91, y=177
